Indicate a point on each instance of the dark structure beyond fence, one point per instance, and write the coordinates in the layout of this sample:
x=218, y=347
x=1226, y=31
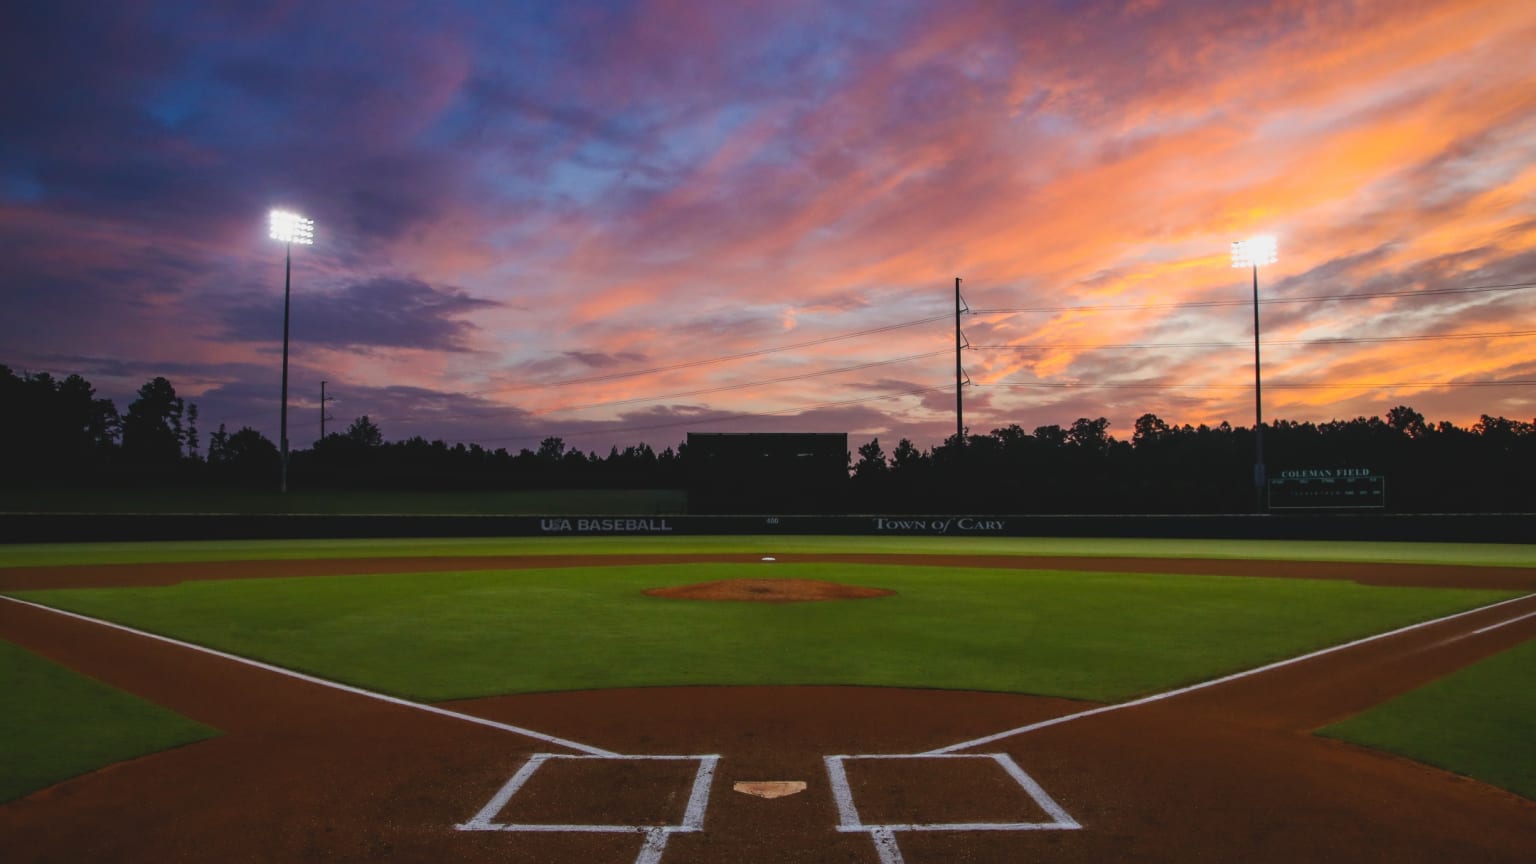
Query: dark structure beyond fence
x=767, y=472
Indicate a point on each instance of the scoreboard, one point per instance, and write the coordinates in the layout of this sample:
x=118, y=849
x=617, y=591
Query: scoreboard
x=1328, y=489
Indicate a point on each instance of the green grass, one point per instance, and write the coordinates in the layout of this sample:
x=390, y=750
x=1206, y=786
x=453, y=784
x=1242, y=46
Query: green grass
x=224, y=499
x=1097, y=636
x=1093, y=636
x=1480, y=721
x=59, y=724
x=1476, y=554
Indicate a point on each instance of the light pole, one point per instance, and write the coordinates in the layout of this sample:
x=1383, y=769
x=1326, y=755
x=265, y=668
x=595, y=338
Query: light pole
x=1251, y=253
x=288, y=229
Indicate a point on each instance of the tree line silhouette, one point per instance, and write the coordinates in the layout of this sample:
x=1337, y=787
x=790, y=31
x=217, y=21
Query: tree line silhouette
x=60, y=432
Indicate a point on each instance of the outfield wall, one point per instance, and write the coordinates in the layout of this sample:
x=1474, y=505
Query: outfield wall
x=86, y=527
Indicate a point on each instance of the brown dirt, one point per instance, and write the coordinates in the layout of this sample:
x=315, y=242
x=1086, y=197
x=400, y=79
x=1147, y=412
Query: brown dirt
x=768, y=591
x=1226, y=773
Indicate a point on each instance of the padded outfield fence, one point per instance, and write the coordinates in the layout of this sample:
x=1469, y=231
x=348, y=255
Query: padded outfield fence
x=87, y=527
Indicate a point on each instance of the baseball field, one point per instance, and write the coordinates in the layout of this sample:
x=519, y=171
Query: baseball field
x=768, y=699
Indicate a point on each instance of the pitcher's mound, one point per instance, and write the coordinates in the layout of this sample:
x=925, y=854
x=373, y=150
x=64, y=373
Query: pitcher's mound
x=768, y=591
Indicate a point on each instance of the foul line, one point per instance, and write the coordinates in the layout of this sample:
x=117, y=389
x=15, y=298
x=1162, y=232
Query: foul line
x=334, y=685
x=1158, y=697
x=1504, y=623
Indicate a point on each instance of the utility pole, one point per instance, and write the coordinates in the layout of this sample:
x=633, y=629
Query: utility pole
x=1247, y=254
x=959, y=373
x=1258, y=406
x=283, y=424
x=323, y=416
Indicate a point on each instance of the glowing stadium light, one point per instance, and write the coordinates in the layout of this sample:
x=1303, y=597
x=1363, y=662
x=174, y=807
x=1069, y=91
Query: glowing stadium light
x=1255, y=251
x=292, y=228
x=288, y=229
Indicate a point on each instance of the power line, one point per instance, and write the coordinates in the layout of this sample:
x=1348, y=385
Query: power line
x=613, y=376
x=1053, y=385
x=799, y=408
x=726, y=358
x=592, y=379
x=1203, y=304
x=1356, y=340
x=745, y=385
x=607, y=430
x=492, y=410
x=241, y=418
x=1041, y=346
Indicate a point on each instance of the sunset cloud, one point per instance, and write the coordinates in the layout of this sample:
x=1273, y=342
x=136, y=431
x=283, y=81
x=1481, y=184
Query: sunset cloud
x=379, y=313
x=518, y=205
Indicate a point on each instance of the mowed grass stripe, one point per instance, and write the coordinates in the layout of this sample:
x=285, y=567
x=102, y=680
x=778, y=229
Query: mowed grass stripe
x=1098, y=636
x=1473, y=554
x=1479, y=721
x=59, y=724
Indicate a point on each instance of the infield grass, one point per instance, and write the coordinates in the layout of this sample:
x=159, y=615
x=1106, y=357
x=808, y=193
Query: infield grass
x=1479, y=721
x=59, y=724
x=1098, y=636
x=1473, y=554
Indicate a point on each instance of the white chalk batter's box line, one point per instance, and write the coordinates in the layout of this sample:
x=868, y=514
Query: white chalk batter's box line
x=693, y=816
x=848, y=814
x=656, y=836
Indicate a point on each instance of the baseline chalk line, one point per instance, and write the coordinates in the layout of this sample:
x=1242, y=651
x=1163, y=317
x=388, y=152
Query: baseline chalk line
x=1169, y=694
x=1505, y=623
x=334, y=685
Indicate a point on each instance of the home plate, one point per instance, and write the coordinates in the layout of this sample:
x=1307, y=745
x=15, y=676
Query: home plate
x=770, y=788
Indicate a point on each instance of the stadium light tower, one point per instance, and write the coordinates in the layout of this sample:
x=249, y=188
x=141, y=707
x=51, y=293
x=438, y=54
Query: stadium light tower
x=288, y=229
x=1251, y=253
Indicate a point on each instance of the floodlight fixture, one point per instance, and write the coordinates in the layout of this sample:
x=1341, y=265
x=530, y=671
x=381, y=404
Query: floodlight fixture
x=290, y=227
x=1255, y=251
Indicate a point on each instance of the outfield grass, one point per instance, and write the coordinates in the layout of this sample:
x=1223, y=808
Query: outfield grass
x=1473, y=554
x=59, y=724
x=1480, y=721
x=444, y=636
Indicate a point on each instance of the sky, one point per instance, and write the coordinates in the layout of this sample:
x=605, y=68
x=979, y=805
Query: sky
x=620, y=222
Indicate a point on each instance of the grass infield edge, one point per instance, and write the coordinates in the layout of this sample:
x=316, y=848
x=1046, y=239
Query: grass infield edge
x=1479, y=721
x=60, y=724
